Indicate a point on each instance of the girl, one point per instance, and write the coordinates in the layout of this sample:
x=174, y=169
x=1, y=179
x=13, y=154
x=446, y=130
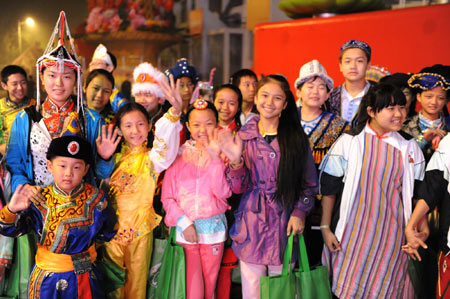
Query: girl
x=194, y=196
x=367, y=183
x=276, y=173
x=228, y=101
x=133, y=183
x=98, y=89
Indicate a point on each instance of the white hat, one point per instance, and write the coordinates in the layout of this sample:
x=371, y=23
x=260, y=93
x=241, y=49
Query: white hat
x=148, y=79
x=313, y=69
x=102, y=53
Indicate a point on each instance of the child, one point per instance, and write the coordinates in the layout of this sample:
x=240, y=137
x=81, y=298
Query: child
x=434, y=191
x=133, y=183
x=147, y=91
x=228, y=101
x=277, y=176
x=194, y=196
x=367, y=183
x=429, y=126
x=14, y=81
x=354, y=60
x=68, y=219
x=246, y=81
x=313, y=87
x=98, y=88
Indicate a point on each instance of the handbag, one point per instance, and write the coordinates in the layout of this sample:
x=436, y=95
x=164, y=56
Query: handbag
x=170, y=283
x=302, y=283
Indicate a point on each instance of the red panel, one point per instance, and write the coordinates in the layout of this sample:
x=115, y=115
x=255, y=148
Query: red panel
x=403, y=40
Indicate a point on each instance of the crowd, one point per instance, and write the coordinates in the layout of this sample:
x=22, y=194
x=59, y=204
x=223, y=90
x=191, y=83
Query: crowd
x=88, y=175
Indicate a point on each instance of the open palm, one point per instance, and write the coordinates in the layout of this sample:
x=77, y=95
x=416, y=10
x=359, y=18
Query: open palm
x=230, y=145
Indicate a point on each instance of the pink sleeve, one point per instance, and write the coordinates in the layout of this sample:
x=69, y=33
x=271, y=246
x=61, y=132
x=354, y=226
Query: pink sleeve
x=169, y=195
x=219, y=184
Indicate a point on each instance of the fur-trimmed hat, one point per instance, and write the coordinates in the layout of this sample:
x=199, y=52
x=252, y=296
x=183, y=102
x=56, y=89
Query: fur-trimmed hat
x=148, y=79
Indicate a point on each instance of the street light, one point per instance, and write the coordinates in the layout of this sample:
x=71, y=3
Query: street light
x=30, y=23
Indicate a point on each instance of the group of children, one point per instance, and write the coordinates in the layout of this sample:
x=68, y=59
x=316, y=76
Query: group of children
x=347, y=155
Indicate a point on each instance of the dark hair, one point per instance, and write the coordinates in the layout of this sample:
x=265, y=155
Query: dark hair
x=236, y=90
x=99, y=72
x=314, y=79
x=129, y=107
x=294, y=148
x=377, y=98
x=235, y=79
x=113, y=60
x=11, y=70
x=210, y=106
x=342, y=54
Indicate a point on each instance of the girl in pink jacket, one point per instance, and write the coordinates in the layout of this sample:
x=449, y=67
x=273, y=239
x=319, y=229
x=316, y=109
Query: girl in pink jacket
x=194, y=196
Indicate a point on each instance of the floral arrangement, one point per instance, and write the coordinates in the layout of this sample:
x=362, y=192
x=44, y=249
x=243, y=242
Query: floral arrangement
x=131, y=15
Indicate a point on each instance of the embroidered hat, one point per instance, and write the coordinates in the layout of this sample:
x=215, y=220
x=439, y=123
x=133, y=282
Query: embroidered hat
x=427, y=81
x=70, y=146
x=60, y=57
x=148, y=79
x=182, y=69
x=313, y=69
x=357, y=44
x=374, y=73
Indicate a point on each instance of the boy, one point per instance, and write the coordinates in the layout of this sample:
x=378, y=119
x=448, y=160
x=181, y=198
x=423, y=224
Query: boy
x=246, y=81
x=14, y=81
x=68, y=216
x=429, y=126
x=354, y=60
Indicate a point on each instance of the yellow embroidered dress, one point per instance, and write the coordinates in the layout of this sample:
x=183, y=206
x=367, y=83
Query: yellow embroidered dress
x=132, y=186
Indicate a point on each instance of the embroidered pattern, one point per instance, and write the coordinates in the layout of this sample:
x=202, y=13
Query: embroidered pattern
x=55, y=117
x=39, y=143
x=36, y=278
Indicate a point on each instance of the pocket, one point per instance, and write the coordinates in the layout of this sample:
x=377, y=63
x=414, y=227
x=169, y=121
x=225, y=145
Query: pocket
x=239, y=231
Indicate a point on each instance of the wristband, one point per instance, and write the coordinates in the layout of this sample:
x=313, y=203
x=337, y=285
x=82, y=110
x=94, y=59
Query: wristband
x=324, y=226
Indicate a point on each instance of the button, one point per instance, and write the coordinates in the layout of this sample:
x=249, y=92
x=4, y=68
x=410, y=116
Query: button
x=306, y=200
x=272, y=155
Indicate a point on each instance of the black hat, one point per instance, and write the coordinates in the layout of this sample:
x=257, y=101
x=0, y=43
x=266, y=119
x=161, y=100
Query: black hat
x=70, y=146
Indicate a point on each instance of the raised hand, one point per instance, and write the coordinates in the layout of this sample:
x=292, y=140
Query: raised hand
x=213, y=146
x=21, y=199
x=230, y=145
x=108, y=141
x=172, y=93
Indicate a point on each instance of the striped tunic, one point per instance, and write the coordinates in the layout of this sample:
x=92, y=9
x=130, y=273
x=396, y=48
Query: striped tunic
x=371, y=263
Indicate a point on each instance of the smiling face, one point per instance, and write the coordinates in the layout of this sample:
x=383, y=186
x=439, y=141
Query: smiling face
x=354, y=64
x=149, y=101
x=98, y=92
x=201, y=124
x=67, y=172
x=432, y=102
x=388, y=119
x=313, y=93
x=58, y=85
x=134, y=127
x=16, y=86
x=270, y=100
x=227, y=104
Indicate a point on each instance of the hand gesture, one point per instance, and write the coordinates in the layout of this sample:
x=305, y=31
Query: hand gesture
x=330, y=240
x=21, y=199
x=172, y=93
x=213, y=146
x=295, y=225
x=230, y=145
x=414, y=239
x=190, y=234
x=107, y=142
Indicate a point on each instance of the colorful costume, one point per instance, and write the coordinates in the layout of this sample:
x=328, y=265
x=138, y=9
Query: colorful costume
x=8, y=111
x=195, y=192
x=132, y=187
x=376, y=175
x=67, y=226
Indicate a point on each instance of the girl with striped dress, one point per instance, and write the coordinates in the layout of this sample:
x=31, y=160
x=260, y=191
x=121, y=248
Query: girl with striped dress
x=367, y=181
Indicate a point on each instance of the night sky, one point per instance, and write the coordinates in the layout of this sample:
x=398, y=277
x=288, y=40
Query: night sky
x=45, y=13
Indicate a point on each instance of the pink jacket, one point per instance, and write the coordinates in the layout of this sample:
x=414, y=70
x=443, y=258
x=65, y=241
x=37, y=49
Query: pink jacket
x=195, y=186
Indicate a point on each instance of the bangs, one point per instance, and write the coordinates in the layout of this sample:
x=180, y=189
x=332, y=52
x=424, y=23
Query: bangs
x=387, y=95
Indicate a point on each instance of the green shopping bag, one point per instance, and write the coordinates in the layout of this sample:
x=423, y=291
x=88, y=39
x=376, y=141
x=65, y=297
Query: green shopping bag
x=159, y=247
x=171, y=283
x=303, y=283
x=310, y=283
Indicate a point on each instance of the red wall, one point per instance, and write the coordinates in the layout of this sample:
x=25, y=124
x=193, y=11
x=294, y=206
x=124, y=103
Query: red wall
x=403, y=40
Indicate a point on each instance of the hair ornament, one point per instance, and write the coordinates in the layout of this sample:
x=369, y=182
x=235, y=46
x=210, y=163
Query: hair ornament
x=200, y=104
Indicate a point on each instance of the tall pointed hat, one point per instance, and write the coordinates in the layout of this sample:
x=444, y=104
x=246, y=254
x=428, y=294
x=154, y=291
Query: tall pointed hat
x=56, y=54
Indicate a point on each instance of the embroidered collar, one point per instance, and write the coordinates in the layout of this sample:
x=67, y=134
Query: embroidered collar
x=50, y=105
x=373, y=132
x=232, y=126
x=11, y=104
x=433, y=124
x=75, y=192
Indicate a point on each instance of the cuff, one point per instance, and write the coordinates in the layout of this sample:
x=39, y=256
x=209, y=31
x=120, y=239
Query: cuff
x=6, y=216
x=299, y=213
x=172, y=117
x=183, y=222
